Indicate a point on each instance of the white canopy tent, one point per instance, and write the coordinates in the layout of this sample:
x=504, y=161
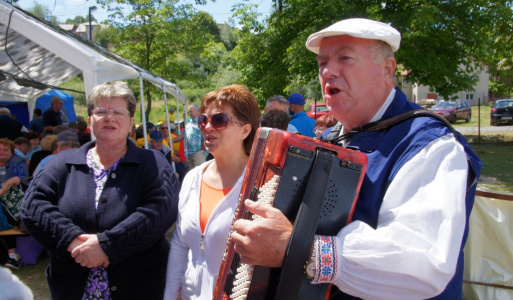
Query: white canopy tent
x=33, y=51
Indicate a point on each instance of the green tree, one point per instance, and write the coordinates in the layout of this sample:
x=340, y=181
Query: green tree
x=500, y=61
x=229, y=36
x=43, y=12
x=204, y=22
x=253, y=55
x=79, y=20
x=106, y=35
x=151, y=34
x=444, y=43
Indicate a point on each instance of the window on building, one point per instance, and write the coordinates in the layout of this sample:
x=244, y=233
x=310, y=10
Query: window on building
x=470, y=97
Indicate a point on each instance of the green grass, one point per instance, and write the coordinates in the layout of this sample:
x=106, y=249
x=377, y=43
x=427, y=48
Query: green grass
x=34, y=277
x=495, y=149
x=497, y=165
x=483, y=111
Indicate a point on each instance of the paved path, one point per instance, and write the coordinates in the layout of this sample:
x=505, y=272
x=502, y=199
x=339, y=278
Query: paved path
x=486, y=128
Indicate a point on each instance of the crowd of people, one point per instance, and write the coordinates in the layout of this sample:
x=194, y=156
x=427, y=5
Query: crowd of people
x=24, y=151
x=102, y=207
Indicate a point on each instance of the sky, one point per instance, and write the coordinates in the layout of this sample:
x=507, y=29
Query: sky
x=68, y=9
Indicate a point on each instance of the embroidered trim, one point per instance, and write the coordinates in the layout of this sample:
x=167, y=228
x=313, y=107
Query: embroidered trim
x=326, y=257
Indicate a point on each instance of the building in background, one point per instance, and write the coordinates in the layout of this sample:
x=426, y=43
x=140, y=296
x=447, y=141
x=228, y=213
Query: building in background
x=422, y=94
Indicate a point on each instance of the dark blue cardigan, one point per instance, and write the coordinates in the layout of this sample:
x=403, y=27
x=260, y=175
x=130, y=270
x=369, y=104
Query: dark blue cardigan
x=137, y=206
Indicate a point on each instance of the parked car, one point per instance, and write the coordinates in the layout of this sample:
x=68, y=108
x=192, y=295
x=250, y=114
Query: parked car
x=316, y=110
x=453, y=110
x=502, y=112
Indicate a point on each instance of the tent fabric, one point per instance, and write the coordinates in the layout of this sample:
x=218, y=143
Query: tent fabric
x=19, y=109
x=44, y=102
x=34, y=49
x=488, y=255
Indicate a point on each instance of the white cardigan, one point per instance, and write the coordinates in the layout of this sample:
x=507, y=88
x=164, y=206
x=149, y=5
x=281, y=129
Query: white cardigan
x=192, y=271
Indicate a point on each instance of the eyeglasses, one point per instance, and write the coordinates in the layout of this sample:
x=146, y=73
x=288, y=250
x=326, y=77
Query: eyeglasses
x=163, y=128
x=218, y=120
x=117, y=113
x=319, y=129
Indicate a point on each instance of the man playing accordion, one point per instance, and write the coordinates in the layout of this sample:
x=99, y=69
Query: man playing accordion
x=410, y=223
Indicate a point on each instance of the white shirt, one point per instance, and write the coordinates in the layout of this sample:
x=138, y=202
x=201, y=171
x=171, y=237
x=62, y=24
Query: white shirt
x=192, y=270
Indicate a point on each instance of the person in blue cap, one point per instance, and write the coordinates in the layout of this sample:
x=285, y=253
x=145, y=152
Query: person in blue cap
x=149, y=128
x=157, y=144
x=303, y=123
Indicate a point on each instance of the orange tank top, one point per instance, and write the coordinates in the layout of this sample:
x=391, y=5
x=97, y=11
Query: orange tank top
x=209, y=198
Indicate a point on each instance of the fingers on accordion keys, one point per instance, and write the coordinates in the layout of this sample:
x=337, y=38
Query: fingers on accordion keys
x=267, y=193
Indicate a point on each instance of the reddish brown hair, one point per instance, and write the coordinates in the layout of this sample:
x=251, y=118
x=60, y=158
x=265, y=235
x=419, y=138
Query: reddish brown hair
x=243, y=104
x=325, y=121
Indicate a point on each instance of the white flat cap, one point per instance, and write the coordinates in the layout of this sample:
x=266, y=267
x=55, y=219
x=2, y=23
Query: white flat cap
x=359, y=28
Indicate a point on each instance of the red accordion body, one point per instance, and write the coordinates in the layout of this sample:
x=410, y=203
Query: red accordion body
x=315, y=185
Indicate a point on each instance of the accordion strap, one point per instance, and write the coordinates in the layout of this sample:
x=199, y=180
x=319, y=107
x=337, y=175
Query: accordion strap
x=334, y=137
x=302, y=236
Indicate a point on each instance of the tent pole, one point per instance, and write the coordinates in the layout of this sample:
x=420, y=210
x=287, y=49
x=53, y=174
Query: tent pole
x=177, y=109
x=143, y=110
x=185, y=144
x=167, y=117
x=168, y=129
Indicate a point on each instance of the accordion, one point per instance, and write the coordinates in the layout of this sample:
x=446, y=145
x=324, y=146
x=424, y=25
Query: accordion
x=315, y=185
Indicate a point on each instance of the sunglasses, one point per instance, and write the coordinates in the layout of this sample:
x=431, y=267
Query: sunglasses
x=163, y=128
x=218, y=120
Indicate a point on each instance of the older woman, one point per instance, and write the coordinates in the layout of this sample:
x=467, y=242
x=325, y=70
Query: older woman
x=102, y=210
x=11, y=165
x=228, y=122
x=322, y=124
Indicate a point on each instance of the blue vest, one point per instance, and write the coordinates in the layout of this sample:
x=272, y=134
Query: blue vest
x=388, y=151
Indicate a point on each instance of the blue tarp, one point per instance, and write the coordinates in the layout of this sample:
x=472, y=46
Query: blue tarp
x=19, y=109
x=43, y=102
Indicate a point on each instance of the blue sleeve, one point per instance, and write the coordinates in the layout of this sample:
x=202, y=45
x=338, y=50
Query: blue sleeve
x=325, y=133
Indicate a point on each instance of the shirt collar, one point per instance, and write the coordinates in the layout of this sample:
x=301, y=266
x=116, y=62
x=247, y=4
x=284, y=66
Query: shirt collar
x=378, y=114
x=384, y=107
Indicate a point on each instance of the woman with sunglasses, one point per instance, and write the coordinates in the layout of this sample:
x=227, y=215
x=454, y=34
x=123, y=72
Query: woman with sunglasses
x=102, y=210
x=208, y=198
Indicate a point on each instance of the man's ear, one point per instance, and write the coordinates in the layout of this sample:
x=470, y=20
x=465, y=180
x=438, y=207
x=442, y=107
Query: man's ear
x=389, y=68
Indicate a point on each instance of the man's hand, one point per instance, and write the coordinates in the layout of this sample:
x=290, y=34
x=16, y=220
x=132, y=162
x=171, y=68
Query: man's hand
x=263, y=242
x=89, y=254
